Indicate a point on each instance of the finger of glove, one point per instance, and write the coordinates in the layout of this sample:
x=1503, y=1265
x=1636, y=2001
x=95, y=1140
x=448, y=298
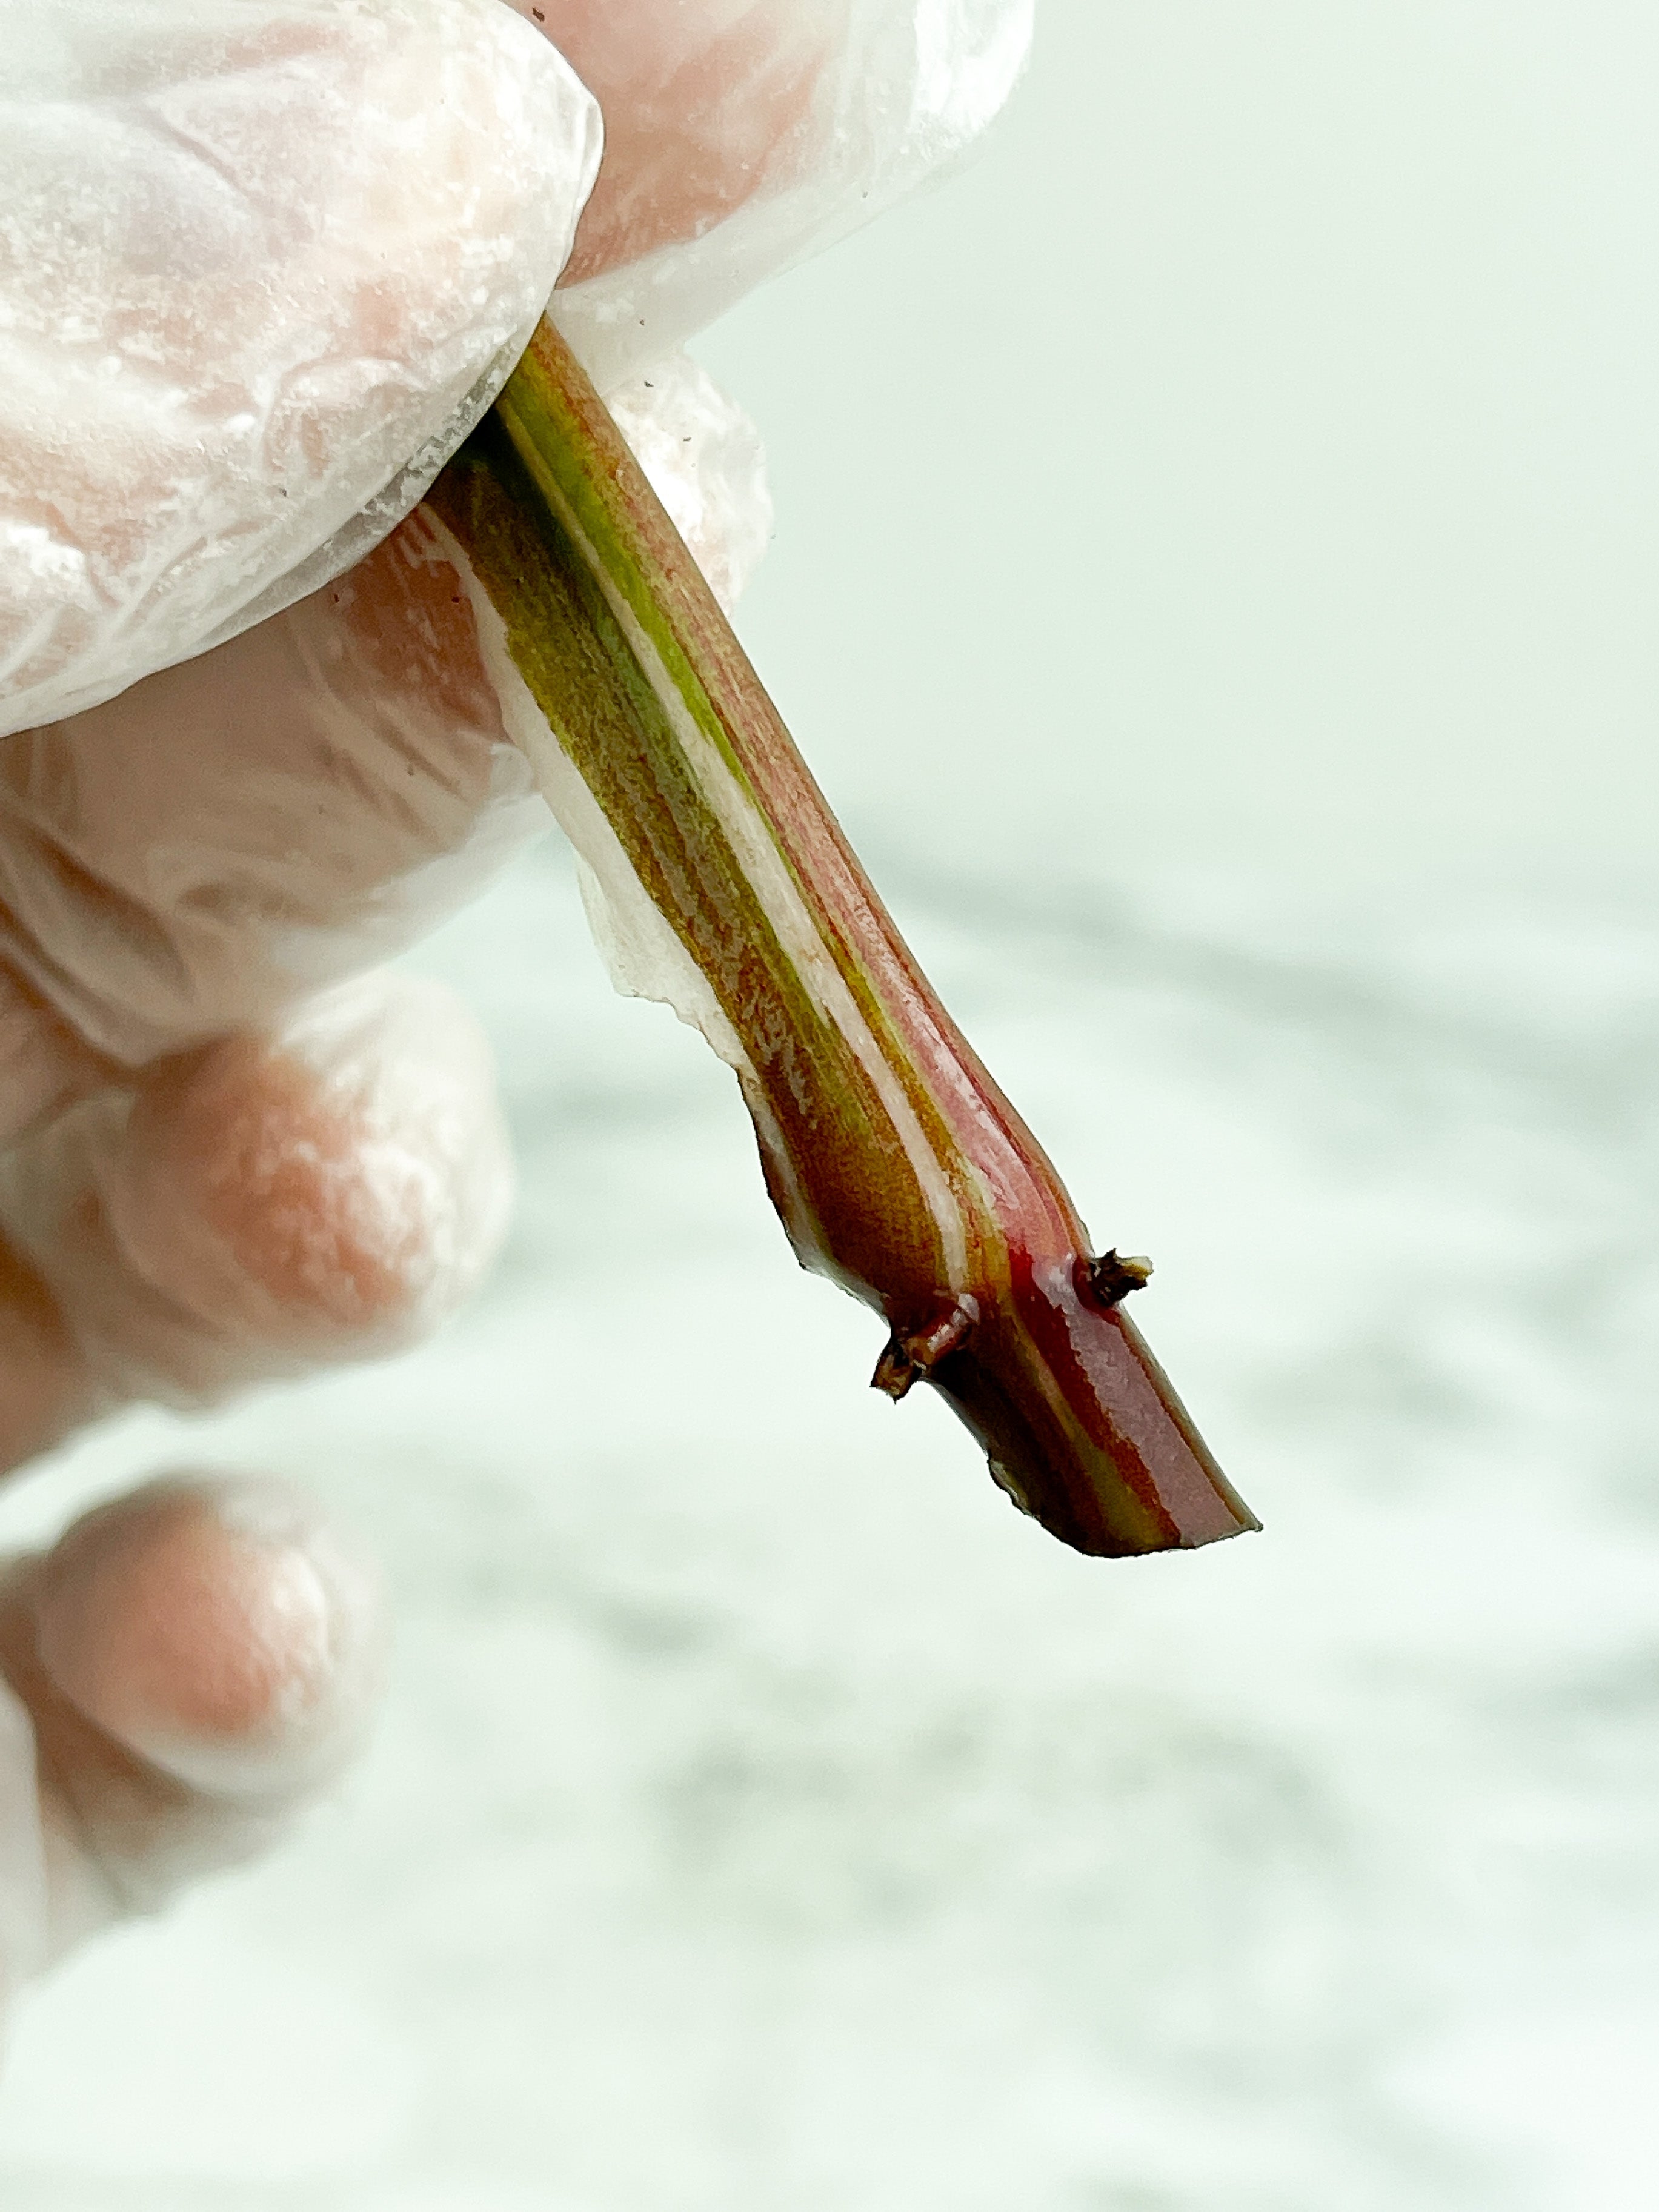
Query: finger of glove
x=194, y=1662
x=255, y=255
x=705, y=105
x=238, y=831
x=328, y=1192
x=743, y=135
x=263, y=820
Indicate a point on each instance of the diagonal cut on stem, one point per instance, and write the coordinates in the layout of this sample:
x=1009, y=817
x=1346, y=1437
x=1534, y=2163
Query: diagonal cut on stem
x=719, y=880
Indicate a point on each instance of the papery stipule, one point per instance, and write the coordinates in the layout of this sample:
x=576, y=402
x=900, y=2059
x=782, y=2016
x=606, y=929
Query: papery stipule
x=899, y=1167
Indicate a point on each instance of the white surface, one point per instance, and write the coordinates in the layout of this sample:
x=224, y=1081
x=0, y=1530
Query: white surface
x=765, y=1816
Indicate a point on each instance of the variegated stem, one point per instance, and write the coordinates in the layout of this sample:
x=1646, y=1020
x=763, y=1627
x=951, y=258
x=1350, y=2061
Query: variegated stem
x=899, y=1167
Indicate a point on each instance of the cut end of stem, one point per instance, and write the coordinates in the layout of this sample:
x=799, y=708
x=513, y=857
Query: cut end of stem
x=1081, y=1427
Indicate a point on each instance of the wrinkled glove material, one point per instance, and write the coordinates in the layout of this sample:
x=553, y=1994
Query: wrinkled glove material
x=263, y=264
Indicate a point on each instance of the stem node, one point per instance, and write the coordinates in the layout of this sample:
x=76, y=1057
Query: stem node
x=911, y=1354
x=1114, y=1276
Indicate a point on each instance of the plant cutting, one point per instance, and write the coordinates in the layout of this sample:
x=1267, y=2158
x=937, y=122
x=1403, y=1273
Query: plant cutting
x=719, y=882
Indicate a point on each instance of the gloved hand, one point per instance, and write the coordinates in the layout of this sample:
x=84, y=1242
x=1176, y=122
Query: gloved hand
x=263, y=263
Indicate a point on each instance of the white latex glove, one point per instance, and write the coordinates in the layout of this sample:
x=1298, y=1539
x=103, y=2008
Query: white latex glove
x=262, y=264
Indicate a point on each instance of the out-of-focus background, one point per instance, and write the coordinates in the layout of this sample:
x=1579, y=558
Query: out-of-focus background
x=1215, y=582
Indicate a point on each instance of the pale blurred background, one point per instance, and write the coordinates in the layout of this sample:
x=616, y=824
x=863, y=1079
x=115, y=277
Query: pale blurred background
x=1215, y=582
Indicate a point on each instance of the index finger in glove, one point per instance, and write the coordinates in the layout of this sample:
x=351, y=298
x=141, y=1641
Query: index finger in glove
x=262, y=263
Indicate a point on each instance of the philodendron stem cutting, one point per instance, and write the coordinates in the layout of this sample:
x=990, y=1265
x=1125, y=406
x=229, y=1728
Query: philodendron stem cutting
x=719, y=881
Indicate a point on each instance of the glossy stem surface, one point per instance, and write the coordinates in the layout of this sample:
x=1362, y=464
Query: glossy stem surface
x=899, y=1167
